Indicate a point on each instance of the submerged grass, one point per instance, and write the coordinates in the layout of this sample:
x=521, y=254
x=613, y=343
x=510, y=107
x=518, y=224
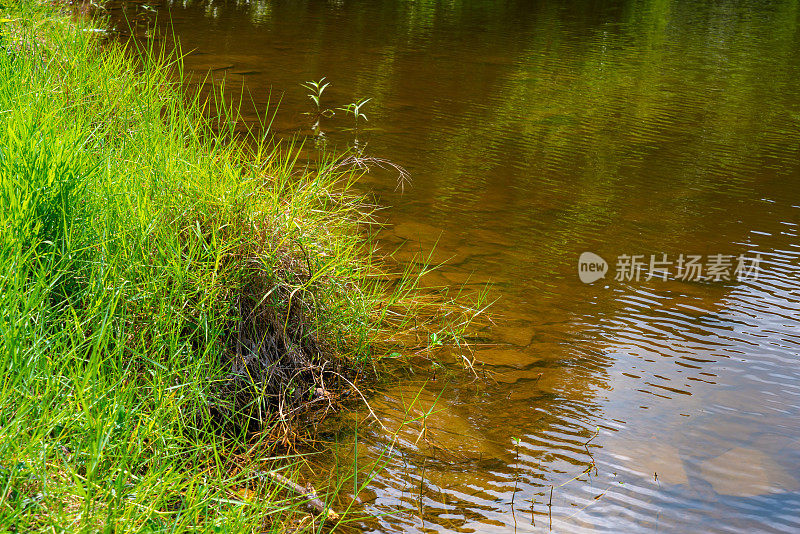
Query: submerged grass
x=170, y=301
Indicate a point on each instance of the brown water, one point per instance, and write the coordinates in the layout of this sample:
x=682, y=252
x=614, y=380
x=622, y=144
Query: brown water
x=534, y=132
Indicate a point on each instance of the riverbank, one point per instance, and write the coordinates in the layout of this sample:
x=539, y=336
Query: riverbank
x=172, y=301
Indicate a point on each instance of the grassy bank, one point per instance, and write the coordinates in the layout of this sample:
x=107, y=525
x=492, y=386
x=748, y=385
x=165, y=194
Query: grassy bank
x=171, y=301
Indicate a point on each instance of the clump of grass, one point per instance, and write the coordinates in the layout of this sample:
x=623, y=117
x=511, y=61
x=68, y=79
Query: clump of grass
x=169, y=300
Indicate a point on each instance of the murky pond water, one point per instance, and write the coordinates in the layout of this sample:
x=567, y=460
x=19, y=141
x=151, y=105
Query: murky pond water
x=535, y=132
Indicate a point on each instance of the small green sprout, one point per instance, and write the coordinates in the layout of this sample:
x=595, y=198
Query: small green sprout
x=354, y=109
x=316, y=88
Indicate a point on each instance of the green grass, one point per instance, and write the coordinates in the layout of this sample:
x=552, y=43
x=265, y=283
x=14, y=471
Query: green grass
x=169, y=299
x=138, y=248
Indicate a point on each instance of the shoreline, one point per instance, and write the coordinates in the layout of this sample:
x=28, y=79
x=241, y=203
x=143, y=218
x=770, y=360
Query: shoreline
x=174, y=298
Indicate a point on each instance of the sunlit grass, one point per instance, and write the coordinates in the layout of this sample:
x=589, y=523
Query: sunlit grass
x=169, y=299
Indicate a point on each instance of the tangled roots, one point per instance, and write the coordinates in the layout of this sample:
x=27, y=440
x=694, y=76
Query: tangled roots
x=279, y=364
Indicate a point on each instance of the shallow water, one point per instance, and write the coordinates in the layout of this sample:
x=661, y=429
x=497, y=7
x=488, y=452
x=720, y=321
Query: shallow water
x=535, y=132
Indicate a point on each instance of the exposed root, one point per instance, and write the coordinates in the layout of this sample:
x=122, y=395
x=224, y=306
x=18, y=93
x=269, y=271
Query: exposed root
x=364, y=163
x=308, y=492
x=279, y=367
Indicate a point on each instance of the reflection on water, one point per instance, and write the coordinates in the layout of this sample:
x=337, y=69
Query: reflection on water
x=534, y=132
